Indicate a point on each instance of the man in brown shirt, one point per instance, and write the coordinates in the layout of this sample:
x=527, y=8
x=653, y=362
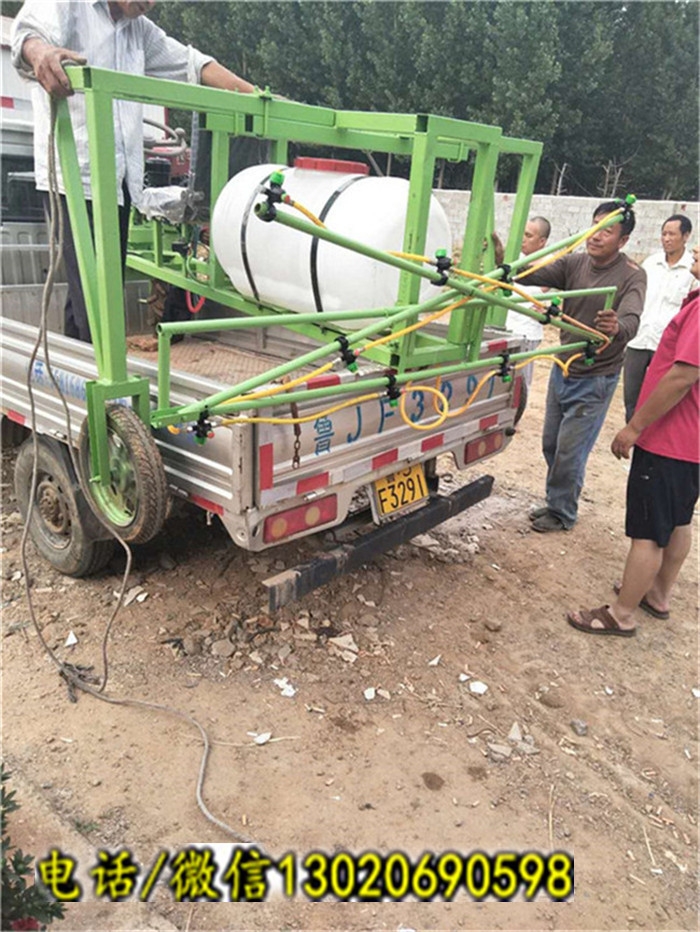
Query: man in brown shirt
x=577, y=405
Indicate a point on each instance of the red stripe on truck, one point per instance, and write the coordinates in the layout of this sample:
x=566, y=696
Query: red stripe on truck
x=323, y=381
x=8, y=102
x=431, y=442
x=311, y=483
x=486, y=423
x=517, y=392
x=498, y=346
x=383, y=459
x=266, y=461
x=207, y=505
x=17, y=417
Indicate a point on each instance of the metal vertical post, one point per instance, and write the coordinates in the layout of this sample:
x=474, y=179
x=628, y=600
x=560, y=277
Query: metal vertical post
x=415, y=232
x=110, y=283
x=80, y=224
x=466, y=324
x=219, y=177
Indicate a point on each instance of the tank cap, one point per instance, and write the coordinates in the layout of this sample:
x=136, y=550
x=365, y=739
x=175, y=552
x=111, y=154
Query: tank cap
x=310, y=163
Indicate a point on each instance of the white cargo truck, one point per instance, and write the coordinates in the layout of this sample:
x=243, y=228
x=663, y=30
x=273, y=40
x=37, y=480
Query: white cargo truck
x=268, y=483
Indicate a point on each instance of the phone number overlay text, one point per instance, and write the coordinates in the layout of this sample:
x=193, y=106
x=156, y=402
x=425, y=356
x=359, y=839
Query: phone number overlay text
x=244, y=873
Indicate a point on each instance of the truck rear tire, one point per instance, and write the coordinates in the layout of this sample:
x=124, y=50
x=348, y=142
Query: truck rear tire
x=136, y=500
x=60, y=519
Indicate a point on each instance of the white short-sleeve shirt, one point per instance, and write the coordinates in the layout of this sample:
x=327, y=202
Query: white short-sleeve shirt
x=667, y=286
x=134, y=46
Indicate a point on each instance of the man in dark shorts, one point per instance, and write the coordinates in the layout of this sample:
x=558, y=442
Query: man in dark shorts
x=662, y=489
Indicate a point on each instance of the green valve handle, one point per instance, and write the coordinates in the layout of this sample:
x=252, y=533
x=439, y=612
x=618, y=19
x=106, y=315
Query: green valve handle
x=631, y=199
x=440, y=253
x=276, y=178
x=556, y=301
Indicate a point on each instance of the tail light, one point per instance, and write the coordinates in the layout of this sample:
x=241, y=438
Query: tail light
x=302, y=518
x=477, y=449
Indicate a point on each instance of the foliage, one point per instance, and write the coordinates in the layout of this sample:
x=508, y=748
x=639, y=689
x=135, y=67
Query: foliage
x=20, y=903
x=8, y=8
x=611, y=89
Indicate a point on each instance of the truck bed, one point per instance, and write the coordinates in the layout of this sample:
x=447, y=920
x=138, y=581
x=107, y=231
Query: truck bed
x=213, y=359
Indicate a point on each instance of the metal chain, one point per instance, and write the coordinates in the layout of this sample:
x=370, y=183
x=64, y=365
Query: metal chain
x=294, y=409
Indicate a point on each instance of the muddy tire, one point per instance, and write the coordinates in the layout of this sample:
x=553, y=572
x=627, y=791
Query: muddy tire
x=135, y=502
x=62, y=526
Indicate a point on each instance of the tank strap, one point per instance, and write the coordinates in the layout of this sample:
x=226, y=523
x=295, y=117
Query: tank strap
x=314, y=245
x=244, y=231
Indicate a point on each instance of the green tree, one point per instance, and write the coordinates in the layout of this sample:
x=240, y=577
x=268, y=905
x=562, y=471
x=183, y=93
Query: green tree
x=610, y=88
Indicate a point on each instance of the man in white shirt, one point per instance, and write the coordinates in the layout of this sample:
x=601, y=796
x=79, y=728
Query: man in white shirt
x=668, y=282
x=105, y=34
x=535, y=237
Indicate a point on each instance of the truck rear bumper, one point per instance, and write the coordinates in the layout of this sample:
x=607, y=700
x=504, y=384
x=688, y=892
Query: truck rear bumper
x=297, y=581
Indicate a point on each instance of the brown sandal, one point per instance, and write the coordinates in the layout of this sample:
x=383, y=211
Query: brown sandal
x=608, y=624
x=644, y=605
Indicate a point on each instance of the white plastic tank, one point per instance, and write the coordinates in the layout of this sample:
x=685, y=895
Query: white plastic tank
x=277, y=265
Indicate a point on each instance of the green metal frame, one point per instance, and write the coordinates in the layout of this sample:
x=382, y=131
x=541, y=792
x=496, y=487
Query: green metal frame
x=423, y=138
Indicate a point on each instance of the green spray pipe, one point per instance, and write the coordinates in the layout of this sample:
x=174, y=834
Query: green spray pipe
x=264, y=212
x=180, y=415
x=272, y=320
x=458, y=284
x=574, y=293
x=192, y=410
x=311, y=394
x=319, y=353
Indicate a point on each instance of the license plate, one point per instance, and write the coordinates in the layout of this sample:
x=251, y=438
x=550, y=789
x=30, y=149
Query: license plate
x=400, y=491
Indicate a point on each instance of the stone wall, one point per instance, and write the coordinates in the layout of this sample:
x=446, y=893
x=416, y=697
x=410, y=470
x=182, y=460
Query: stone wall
x=568, y=215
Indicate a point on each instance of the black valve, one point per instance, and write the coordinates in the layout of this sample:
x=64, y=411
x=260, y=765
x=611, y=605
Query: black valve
x=392, y=389
x=625, y=203
x=506, y=269
x=506, y=369
x=202, y=430
x=346, y=354
x=554, y=310
x=443, y=263
x=274, y=193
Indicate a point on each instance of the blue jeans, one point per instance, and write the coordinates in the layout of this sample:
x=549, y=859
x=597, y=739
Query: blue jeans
x=575, y=413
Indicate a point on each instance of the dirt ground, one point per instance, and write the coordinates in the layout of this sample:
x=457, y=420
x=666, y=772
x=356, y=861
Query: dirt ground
x=413, y=768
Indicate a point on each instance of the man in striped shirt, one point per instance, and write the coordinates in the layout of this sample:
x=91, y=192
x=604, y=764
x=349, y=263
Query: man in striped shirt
x=110, y=34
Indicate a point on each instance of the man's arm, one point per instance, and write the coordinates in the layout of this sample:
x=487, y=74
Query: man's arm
x=623, y=322
x=38, y=45
x=672, y=388
x=45, y=61
x=552, y=275
x=215, y=75
x=168, y=58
